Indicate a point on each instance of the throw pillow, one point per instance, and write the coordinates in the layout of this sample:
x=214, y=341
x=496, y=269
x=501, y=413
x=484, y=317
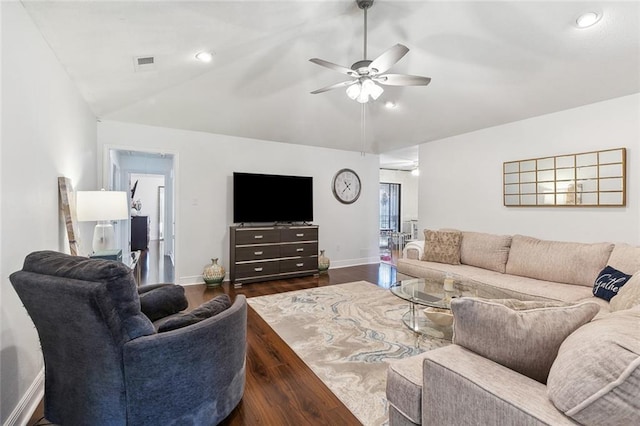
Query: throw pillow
x=442, y=246
x=523, y=336
x=594, y=379
x=207, y=310
x=628, y=296
x=609, y=282
x=162, y=300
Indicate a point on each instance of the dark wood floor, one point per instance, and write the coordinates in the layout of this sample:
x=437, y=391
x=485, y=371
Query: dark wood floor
x=155, y=266
x=280, y=388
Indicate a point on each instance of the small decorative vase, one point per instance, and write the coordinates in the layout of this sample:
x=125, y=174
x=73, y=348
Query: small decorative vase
x=213, y=274
x=323, y=262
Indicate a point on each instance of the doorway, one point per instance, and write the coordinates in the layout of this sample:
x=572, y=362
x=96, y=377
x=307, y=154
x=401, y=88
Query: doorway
x=149, y=179
x=389, y=205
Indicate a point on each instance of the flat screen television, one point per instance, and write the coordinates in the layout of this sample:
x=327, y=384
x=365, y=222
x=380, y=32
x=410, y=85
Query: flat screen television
x=260, y=198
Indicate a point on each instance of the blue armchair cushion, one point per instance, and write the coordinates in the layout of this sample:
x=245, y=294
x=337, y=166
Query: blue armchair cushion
x=208, y=309
x=159, y=301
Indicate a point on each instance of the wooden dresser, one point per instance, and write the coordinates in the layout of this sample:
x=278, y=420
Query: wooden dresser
x=263, y=253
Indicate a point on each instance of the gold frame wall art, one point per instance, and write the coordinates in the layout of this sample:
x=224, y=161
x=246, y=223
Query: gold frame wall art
x=585, y=179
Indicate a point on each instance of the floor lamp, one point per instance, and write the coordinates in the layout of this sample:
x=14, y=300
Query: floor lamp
x=103, y=207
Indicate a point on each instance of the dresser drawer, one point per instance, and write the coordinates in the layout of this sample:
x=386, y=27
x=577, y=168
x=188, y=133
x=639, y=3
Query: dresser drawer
x=256, y=269
x=257, y=253
x=302, y=264
x=257, y=236
x=298, y=249
x=299, y=234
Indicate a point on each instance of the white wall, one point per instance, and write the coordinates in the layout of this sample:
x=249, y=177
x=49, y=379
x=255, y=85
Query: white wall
x=461, y=176
x=47, y=131
x=408, y=191
x=206, y=162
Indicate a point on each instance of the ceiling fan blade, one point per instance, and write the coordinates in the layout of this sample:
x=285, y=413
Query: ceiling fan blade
x=335, y=67
x=388, y=58
x=334, y=86
x=401, y=80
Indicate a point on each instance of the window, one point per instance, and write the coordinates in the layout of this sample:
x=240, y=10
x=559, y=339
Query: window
x=390, y=207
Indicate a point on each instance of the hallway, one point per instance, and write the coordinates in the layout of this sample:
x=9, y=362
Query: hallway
x=154, y=266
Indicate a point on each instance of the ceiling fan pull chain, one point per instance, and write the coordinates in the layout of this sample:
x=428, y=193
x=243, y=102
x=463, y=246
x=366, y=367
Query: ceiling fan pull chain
x=363, y=129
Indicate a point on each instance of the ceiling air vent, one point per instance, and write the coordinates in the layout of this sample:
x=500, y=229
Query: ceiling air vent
x=144, y=63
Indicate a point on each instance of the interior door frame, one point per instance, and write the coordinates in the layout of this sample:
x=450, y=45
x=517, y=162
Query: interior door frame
x=108, y=169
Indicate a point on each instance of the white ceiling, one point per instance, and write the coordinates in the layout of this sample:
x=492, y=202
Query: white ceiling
x=490, y=63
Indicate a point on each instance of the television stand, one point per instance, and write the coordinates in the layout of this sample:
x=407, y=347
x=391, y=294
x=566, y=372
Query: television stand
x=263, y=253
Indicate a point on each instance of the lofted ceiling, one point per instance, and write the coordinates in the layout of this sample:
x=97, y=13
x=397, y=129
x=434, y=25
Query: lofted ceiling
x=490, y=62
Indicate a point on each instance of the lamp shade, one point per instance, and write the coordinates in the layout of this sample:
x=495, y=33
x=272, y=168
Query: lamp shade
x=102, y=205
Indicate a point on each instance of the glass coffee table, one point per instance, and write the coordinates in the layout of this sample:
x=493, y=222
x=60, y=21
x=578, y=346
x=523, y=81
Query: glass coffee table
x=424, y=293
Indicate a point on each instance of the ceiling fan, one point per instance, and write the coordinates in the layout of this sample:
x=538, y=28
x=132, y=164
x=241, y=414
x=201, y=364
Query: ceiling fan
x=365, y=73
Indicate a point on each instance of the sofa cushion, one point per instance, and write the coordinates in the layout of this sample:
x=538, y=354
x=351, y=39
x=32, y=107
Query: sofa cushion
x=625, y=258
x=608, y=283
x=442, y=246
x=563, y=262
x=486, y=251
x=207, y=310
x=596, y=375
x=628, y=296
x=523, y=336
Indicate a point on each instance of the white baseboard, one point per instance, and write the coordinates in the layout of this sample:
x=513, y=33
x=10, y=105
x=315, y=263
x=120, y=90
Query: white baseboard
x=197, y=279
x=192, y=280
x=28, y=404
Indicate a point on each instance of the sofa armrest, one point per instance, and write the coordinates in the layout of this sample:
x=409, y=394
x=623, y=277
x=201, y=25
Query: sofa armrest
x=461, y=387
x=209, y=357
x=413, y=250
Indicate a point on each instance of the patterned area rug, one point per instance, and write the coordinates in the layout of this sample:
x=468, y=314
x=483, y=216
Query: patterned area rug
x=346, y=334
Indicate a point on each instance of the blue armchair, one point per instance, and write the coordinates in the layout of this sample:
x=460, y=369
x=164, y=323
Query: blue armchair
x=105, y=363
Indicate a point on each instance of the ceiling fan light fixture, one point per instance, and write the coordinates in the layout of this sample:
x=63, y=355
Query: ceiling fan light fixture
x=371, y=89
x=363, y=97
x=353, y=91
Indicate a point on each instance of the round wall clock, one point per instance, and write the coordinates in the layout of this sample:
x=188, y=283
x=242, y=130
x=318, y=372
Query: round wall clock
x=346, y=186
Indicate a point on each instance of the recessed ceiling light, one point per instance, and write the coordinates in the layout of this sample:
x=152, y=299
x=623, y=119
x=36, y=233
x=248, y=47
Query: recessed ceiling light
x=390, y=104
x=587, y=19
x=204, y=56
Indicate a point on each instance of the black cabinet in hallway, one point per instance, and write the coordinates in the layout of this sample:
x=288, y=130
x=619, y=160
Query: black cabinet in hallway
x=139, y=232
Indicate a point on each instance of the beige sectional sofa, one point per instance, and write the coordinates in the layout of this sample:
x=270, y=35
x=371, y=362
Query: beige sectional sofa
x=595, y=375
x=526, y=268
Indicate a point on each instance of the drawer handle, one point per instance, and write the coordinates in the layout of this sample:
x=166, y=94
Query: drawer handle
x=258, y=237
x=257, y=269
x=257, y=253
x=299, y=235
x=299, y=265
x=299, y=249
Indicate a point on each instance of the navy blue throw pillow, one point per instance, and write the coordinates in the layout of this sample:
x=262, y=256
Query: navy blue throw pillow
x=609, y=282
